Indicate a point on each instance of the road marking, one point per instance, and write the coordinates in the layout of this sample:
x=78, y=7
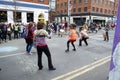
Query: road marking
x=86, y=70
x=82, y=68
x=11, y=55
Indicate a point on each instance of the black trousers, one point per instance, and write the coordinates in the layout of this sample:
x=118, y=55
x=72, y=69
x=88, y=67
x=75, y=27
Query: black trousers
x=72, y=42
x=107, y=36
x=83, y=39
x=40, y=50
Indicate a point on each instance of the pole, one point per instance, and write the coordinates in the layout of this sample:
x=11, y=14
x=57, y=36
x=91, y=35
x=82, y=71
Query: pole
x=69, y=10
x=15, y=11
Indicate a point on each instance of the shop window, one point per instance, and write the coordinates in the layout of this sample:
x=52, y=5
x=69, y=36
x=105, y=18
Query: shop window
x=3, y=16
x=17, y=17
x=29, y=17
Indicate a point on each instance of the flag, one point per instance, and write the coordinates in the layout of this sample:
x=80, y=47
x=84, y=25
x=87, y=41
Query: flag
x=114, y=73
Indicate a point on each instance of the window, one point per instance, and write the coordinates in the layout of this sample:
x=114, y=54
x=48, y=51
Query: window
x=3, y=16
x=79, y=9
x=65, y=3
x=105, y=11
x=65, y=11
x=108, y=11
x=93, y=9
x=17, y=16
x=93, y=1
x=97, y=9
x=85, y=9
x=80, y=1
x=41, y=0
x=74, y=10
x=29, y=17
x=101, y=10
x=86, y=1
x=74, y=1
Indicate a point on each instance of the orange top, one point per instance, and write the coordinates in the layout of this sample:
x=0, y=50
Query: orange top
x=73, y=34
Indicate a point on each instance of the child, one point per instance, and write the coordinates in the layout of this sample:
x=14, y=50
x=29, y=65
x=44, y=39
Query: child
x=72, y=37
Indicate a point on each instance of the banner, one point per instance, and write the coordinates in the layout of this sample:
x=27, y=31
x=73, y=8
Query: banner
x=112, y=0
x=114, y=73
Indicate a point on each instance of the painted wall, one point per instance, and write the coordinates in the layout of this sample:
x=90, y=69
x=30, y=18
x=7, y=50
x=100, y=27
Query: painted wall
x=23, y=7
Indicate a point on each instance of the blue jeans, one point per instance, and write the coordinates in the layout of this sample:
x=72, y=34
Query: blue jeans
x=29, y=45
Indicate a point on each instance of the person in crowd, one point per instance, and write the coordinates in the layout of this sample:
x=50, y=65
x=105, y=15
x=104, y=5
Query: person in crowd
x=107, y=28
x=1, y=38
x=85, y=27
x=9, y=31
x=29, y=38
x=83, y=36
x=61, y=29
x=39, y=38
x=112, y=25
x=66, y=27
x=16, y=31
x=55, y=27
x=21, y=27
x=4, y=31
x=72, y=37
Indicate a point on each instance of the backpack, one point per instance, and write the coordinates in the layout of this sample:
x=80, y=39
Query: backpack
x=25, y=33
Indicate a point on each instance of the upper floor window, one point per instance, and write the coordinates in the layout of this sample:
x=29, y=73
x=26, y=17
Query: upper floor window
x=74, y=9
x=79, y=9
x=74, y=1
x=86, y=1
x=93, y=9
x=80, y=1
x=41, y=0
x=85, y=9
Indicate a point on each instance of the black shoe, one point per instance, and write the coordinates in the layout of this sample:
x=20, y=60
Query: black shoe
x=74, y=49
x=52, y=68
x=40, y=68
x=67, y=50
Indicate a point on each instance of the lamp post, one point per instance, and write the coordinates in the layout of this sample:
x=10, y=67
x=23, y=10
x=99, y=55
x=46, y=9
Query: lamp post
x=69, y=10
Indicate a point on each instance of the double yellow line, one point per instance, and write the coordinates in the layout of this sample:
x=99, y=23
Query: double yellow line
x=82, y=70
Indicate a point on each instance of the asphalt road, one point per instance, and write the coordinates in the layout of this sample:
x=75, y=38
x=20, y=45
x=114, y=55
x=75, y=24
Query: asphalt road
x=87, y=63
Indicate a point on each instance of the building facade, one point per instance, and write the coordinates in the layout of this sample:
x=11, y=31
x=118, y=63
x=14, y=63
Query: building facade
x=51, y=10
x=23, y=11
x=86, y=11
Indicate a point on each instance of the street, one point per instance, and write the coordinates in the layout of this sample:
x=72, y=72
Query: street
x=86, y=63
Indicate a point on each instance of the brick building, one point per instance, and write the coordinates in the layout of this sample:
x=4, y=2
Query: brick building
x=23, y=11
x=86, y=11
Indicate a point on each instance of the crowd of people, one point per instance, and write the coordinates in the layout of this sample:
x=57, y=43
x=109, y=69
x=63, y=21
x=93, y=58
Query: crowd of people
x=36, y=33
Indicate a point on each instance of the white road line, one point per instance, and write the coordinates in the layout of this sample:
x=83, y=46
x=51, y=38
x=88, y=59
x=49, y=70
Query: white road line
x=82, y=68
x=86, y=70
x=11, y=55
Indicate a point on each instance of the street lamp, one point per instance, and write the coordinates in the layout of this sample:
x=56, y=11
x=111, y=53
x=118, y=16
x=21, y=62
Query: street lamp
x=69, y=10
